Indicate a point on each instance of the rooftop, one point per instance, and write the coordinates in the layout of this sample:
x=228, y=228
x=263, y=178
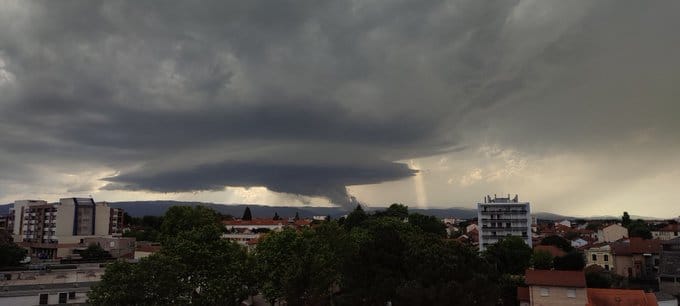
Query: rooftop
x=620, y=297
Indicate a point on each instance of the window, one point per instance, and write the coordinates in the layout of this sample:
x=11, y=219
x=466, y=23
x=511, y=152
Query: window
x=571, y=293
x=545, y=291
x=62, y=297
x=71, y=295
x=606, y=267
x=606, y=257
x=594, y=257
x=43, y=299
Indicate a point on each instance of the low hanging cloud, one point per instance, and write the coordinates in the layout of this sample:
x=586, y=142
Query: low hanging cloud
x=310, y=97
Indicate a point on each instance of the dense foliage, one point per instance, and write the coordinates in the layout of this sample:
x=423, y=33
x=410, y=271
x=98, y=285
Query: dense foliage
x=10, y=253
x=364, y=259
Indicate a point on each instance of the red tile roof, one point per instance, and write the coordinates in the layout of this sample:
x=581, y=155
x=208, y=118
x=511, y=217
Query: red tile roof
x=553, y=250
x=620, y=297
x=555, y=278
x=670, y=228
x=636, y=245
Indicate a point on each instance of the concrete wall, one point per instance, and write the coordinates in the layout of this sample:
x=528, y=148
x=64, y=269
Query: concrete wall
x=65, y=215
x=102, y=219
x=557, y=296
x=33, y=297
x=612, y=233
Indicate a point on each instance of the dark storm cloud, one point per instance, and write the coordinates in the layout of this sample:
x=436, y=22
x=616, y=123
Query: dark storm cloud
x=327, y=180
x=303, y=97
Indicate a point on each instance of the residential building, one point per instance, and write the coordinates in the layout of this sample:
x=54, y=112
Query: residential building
x=669, y=268
x=579, y=243
x=52, y=230
x=501, y=217
x=556, y=288
x=668, y=232
x=611, y=233
x=566, y=223
x=601, y=255
x=117, y=221
x=5, y=223
x=48, y=287
x=636, y=257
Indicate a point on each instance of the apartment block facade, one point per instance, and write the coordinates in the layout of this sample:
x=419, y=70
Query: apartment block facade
x=501, y=217
x=50, y=230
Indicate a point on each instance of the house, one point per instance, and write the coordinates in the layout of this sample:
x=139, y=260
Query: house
x=611, y=233
x=578, y=243
x=566, y=223
x=669, y=268
x=554, y=288
x=471, y=227
x=636, y=257
x=600, y=254
x=606, y=297
x=667, y=232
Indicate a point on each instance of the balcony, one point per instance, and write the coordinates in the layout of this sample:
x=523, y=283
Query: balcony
x=505, y=212
x=504, y=220
x=503, y=228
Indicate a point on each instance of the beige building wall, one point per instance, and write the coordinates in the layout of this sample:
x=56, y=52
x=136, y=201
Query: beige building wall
x=64, y=226
x=557, y=296
x=601, y=256
x=623, y=263
x=612, y=233
x=102, y=219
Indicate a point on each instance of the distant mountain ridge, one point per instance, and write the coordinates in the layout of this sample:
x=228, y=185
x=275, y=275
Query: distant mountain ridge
x=158, y=208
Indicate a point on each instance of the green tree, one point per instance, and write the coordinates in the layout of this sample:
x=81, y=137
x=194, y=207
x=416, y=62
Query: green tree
x=94, y=252
x=180, y=219
x=247, y=215
x=10, y=253
x=297, y=267
x=194, y=266
x=428, y=224
x=276, y=216
x=397, y=210
x=599, y=279
x=510, y=255
x=297, y=216
x=559, y=242
x=355, y=218
x=442, y=272
x=375, y=266
x=571, y=261
x=625, y=220
x=639, y=228
x=542, y=260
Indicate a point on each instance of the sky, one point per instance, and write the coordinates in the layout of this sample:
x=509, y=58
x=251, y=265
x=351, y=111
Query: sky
x=572, y=105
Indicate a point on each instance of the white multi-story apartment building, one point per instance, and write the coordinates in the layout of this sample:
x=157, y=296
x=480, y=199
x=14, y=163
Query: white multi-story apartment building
x=501, y=217
x=52, y=229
